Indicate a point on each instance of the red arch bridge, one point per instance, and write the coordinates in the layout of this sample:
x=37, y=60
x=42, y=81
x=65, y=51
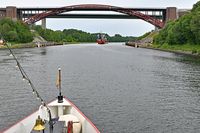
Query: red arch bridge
x=154, y=16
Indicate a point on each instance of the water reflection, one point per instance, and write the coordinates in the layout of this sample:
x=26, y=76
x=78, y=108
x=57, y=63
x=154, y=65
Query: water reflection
x=43, y=51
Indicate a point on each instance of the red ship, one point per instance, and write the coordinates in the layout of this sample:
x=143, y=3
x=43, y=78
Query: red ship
x=101, y=39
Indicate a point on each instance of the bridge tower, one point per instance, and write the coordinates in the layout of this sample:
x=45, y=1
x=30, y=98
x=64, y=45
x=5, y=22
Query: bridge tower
x=43, y=23
x=171, y=13
x=11, y=12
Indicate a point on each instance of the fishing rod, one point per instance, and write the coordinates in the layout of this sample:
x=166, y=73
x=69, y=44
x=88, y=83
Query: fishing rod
x=34, y=90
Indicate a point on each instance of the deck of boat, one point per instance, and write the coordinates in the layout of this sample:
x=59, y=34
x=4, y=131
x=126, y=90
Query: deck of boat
x=63, y=112
x=57, y=128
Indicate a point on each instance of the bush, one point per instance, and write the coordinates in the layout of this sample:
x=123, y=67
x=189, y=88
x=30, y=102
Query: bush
x=182, y=31
x=15, y=31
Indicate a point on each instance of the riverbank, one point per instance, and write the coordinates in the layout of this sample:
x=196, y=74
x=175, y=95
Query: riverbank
x=147, y=42
x=41, y=44
x=186, y=49
x=30, y=45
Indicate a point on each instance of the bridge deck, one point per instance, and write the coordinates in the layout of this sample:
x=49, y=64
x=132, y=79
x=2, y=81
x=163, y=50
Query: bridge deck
x=94, y=16
x=94, y=9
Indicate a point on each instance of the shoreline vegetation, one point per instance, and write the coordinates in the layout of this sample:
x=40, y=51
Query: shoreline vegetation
x=186, y=49
x=41, y=44
x=147, y=42
x=29, y=45
x=179, y=36
x=177, y=49
x=20, y=35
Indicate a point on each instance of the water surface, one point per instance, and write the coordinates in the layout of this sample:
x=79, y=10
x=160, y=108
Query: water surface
x=120, y=89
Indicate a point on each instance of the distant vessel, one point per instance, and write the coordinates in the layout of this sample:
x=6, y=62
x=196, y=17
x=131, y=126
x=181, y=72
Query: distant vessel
x=101, y=38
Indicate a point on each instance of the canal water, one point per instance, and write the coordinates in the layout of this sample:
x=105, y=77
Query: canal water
x=120, y=89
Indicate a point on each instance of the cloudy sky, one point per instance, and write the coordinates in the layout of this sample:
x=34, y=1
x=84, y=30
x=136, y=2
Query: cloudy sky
x=116, y=26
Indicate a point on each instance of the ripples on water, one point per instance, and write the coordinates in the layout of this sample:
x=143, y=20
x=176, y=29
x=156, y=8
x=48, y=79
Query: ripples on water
x=121, y=89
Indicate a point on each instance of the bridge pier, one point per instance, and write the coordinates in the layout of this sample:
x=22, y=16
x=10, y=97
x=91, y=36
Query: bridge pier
x=171, y=13
x=11, y=12
x=43, y=23
x=2, y=14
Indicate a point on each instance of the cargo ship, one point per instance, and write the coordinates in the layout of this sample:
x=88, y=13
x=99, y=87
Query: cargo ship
x=101, y=38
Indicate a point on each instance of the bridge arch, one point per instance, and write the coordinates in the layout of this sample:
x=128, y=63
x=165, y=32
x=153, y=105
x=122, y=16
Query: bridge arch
x=156, y=22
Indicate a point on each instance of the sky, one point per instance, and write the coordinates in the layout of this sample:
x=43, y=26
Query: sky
x=125, y=27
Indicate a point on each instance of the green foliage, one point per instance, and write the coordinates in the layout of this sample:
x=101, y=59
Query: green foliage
x=119, y=38
x=15, y=31
x=73, y=35
x=185, y=48
x=143, y=36
x=185, y=30
x=196, y=7
x=195, y=27
x=12, y=36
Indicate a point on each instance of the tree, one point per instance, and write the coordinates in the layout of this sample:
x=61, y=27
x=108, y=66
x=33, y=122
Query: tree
x=196, y=7
x=5, y=28
x=184, y=30
x=13, y=36
x=195, y=27
x=15, y=31
x=73, y=35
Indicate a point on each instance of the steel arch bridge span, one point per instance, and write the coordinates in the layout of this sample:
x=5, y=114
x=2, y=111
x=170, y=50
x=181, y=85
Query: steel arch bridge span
x=95, y=7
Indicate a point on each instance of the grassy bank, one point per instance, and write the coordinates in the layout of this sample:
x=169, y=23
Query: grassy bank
x=184, y=30
x=30, y=45
x=25, y=45
x=186, y=49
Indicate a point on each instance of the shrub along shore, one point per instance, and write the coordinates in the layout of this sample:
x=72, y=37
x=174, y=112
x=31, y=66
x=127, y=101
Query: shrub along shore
x=181, y=35
x=16, y=32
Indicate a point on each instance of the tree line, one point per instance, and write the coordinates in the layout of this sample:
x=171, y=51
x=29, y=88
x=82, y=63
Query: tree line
x=15, y=31
x=74, y=35
x=185, y=30
x=19, y=32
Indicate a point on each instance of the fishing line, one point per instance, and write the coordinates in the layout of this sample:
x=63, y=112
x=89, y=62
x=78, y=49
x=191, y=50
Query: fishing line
x=25, y=77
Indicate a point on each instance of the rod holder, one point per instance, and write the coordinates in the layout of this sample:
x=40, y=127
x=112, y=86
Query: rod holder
x=60, y=99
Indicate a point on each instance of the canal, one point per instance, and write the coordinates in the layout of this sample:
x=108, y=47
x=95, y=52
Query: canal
x=120, y=89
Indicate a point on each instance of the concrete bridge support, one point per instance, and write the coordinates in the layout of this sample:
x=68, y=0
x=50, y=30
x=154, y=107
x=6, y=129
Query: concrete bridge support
x=171, y=13
x=11, y=12
x=2, y=14
x=43, y=23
